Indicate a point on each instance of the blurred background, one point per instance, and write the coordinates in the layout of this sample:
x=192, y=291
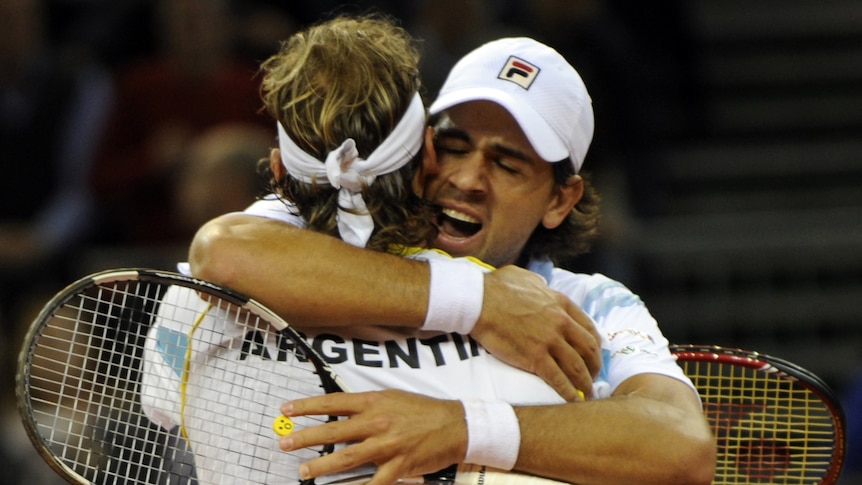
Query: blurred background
x=728, y=150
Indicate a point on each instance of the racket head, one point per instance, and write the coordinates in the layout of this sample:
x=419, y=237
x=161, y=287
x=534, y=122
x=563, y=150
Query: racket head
x=81, y=373
x=774, y=421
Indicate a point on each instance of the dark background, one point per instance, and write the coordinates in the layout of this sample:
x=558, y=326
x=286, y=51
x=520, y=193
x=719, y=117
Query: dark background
x=728, y=150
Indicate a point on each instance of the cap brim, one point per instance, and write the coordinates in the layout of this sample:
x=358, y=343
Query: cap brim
x=541, y=135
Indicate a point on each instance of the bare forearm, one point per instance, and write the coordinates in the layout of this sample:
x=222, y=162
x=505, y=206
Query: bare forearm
x=623, y=439
x=653, y=432
x=310, y=278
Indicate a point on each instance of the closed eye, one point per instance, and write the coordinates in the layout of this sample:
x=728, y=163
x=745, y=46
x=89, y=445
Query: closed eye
x=451, y=150
x=506, y=165
x=456, y=142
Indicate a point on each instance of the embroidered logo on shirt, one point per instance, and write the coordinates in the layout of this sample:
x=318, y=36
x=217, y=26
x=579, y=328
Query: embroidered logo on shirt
x=633, y=332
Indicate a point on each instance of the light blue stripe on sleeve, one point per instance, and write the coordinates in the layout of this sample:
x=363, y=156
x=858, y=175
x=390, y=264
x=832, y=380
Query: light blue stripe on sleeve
x=599, y=306
x=172, y=346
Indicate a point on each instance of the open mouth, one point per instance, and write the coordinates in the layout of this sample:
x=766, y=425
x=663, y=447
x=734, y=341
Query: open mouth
x=457, y=224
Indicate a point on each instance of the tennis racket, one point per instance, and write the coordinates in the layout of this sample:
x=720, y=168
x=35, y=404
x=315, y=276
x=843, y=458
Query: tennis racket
x=137, y=376
x=774, y=422
x=147, y=377
x=117, y=354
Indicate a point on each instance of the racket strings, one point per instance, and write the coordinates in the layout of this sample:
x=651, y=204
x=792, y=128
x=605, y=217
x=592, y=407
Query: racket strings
x=231, y=362
x=81, y=383
x=85, y=386
x=769, y=429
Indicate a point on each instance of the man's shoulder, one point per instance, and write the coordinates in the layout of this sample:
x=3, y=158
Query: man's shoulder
x=273, y=207
x=564, y=277
x=578, y=286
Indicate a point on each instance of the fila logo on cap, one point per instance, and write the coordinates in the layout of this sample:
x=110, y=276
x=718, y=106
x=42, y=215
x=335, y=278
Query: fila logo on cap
x=519, y=72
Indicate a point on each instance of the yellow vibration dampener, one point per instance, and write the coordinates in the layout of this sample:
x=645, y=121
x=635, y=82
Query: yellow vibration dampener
x=282, y=426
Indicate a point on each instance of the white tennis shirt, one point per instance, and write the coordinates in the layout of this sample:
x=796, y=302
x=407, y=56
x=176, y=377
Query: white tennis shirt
x=448, y=366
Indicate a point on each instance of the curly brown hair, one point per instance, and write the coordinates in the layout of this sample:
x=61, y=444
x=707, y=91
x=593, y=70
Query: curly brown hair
x=576, y=235
x=349, y=77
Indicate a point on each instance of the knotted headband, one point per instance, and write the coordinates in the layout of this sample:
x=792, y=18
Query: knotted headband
x=345, y=170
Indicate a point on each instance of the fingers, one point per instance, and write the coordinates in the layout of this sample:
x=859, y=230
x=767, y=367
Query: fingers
x=323, y=434
x=584, y=338
x=574, y=380
x=562, y=382
x=347, y=458
x=574, y=357
x=529, y=319
x=343, y=431
x=334, y=404
x=386, y=474
x=382, y=430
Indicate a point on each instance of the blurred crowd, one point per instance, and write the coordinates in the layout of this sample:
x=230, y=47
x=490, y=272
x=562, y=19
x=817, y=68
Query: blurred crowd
x=105, y=106
x=125, y=124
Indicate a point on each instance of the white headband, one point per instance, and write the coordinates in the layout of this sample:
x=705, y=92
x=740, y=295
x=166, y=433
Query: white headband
x=346, y=171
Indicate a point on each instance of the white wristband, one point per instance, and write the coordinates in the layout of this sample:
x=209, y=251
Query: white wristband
x=455, y=296
x=493, y=433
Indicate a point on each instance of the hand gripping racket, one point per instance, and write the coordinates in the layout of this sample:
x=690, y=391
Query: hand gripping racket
x=774, y=422
x=116, y=352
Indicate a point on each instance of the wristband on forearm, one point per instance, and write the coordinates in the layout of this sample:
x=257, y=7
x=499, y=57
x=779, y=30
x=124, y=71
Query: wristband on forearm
x=454, y=297
x=493, y=433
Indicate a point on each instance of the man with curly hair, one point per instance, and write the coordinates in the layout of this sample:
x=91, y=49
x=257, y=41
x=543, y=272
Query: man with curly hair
x=503, y=152
x=350, y=125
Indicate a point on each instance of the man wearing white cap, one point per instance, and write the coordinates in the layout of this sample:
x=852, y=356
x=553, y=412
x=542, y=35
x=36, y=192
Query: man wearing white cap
x=509, y=133
x=522, y=80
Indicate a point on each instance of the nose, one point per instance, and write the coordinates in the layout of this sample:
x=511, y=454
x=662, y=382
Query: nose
x=470, y=174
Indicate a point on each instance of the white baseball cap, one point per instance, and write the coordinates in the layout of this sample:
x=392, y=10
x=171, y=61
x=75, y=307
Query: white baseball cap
x=538, y=87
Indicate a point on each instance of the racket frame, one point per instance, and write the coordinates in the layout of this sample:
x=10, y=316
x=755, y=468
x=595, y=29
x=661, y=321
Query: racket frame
x=782, y=369
x=330, y=381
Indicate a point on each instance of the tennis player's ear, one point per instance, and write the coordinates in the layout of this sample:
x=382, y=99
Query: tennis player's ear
x=429, y=165
x=563, y=201
x=278, y=170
